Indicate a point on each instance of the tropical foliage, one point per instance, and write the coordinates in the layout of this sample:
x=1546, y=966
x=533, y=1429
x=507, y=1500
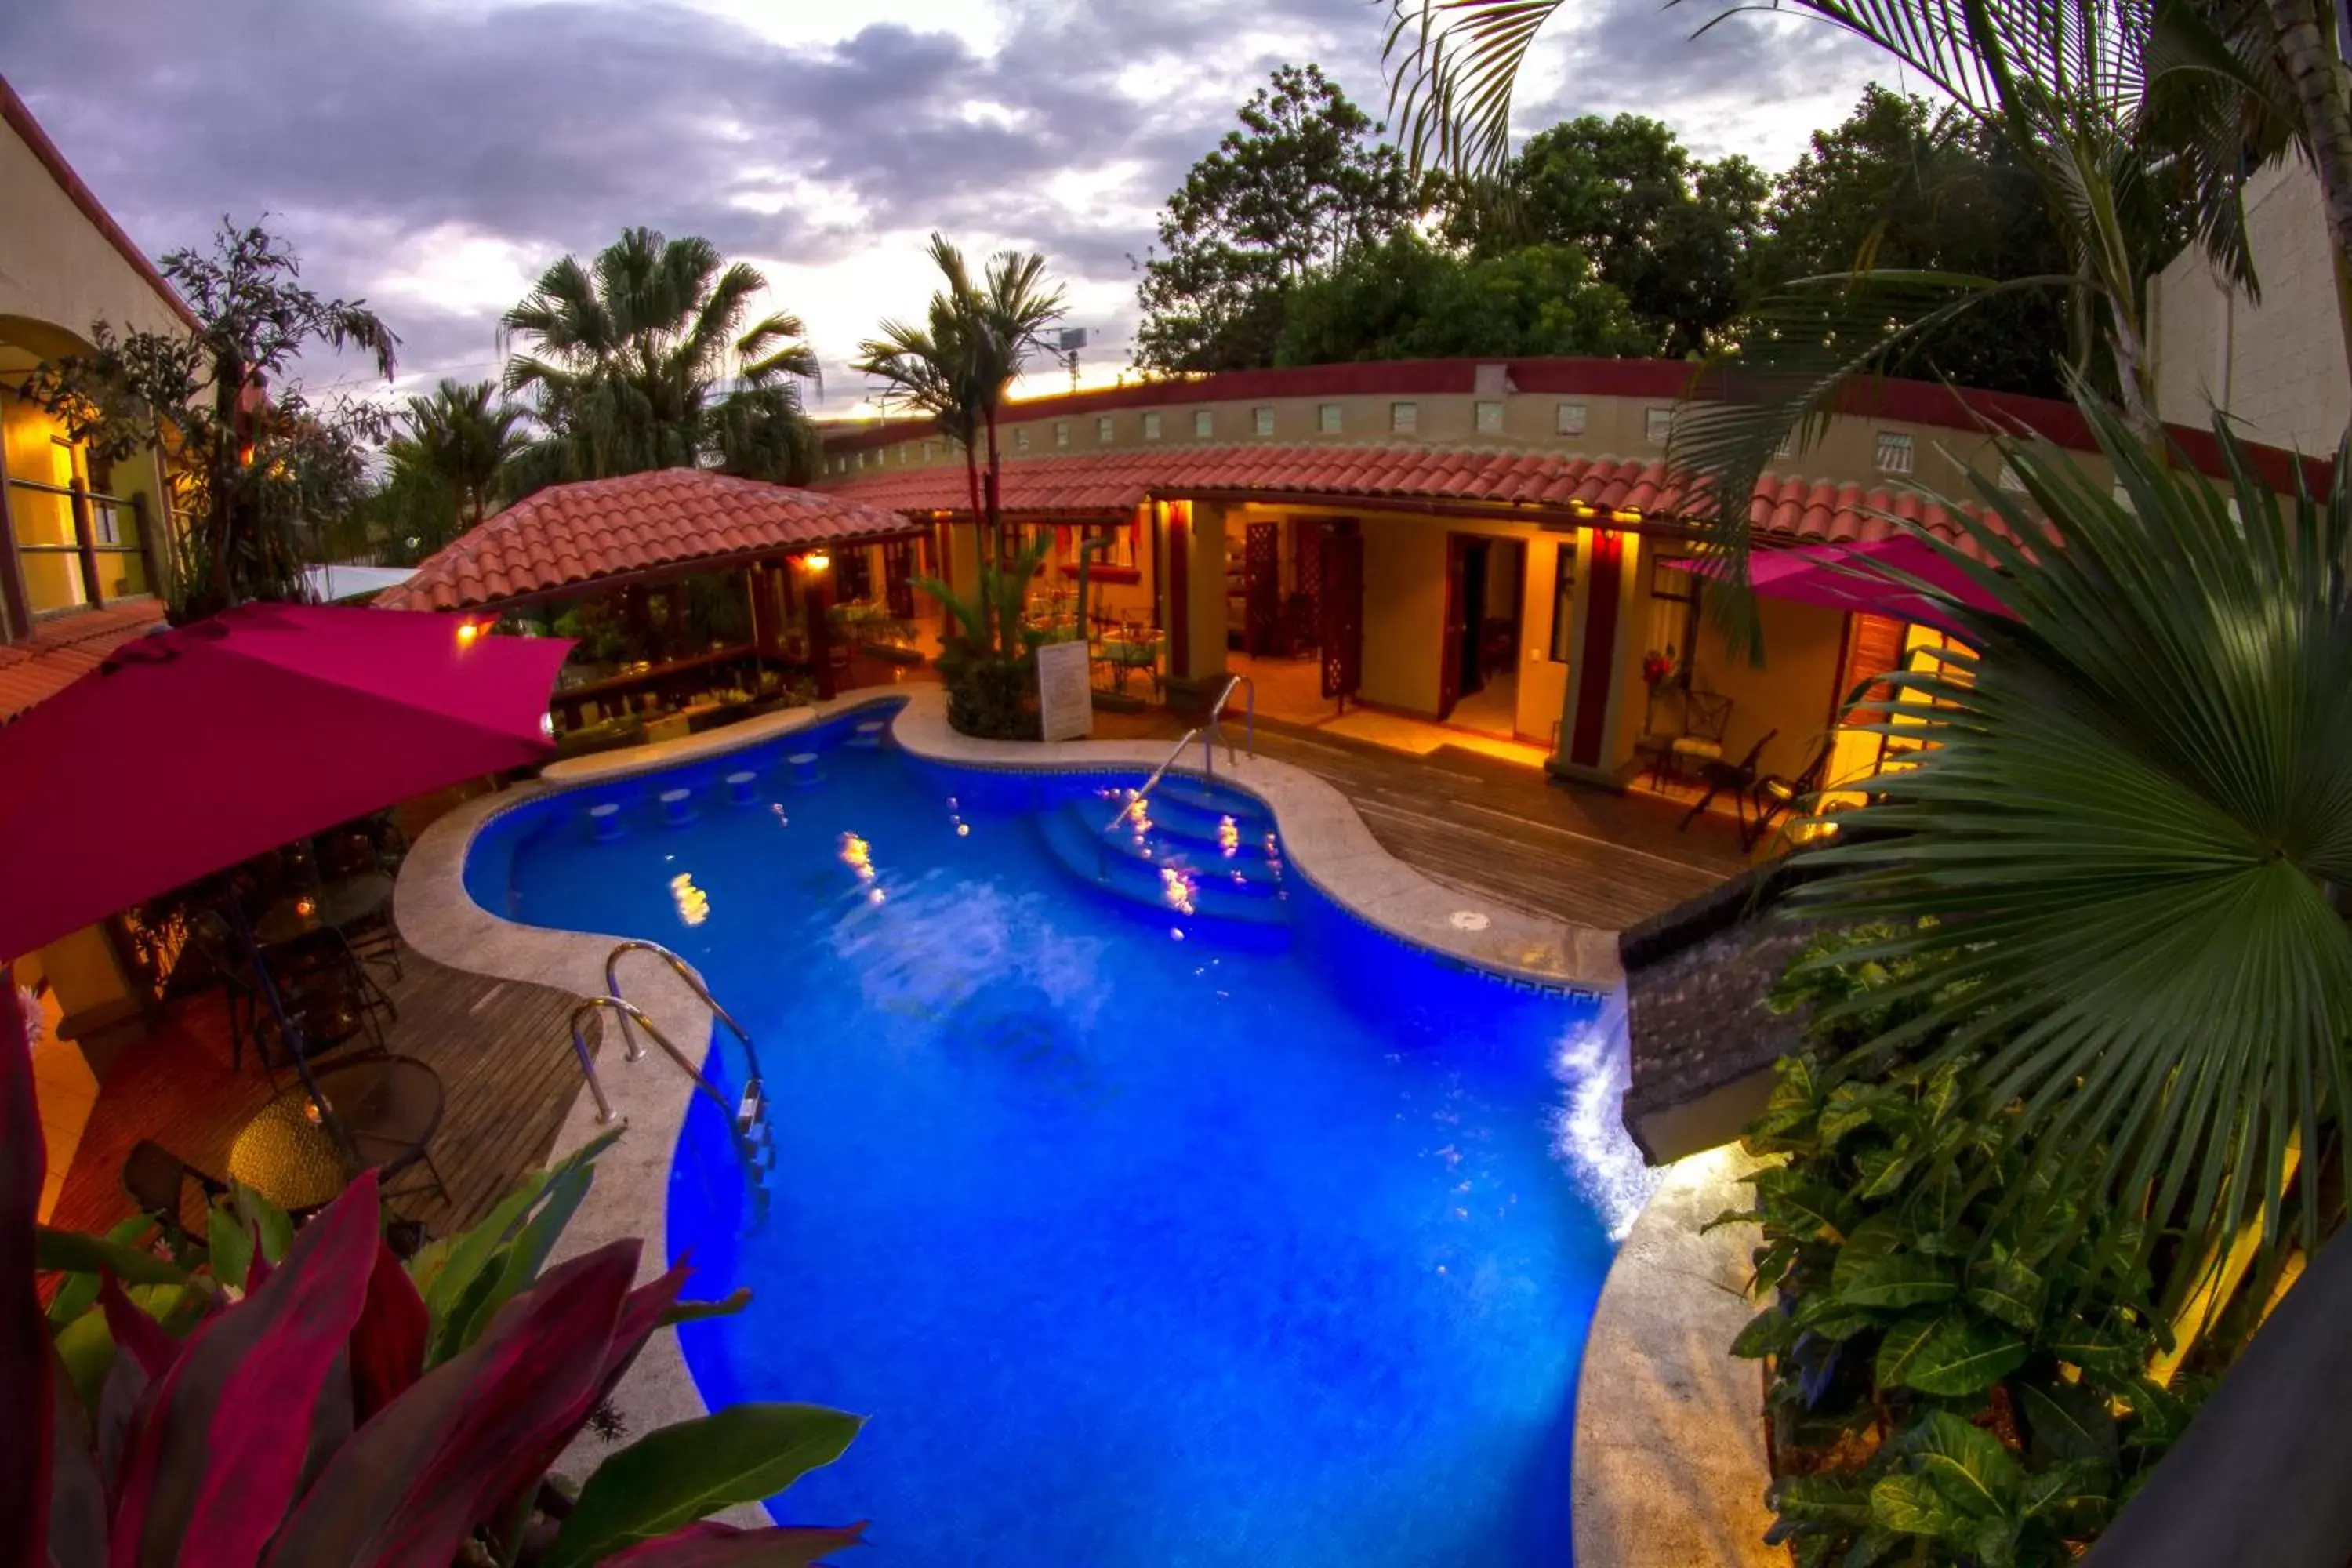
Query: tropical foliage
x=1965, y=1348
x=1298, y=185
x=266, y=1395
x=1406, y=298
x=252, y=461
x=957, y=366
x=461, y=435
x=645, y=357
x=2130, y=825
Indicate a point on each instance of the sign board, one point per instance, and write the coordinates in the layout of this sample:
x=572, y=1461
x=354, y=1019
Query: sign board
x=1066, y=702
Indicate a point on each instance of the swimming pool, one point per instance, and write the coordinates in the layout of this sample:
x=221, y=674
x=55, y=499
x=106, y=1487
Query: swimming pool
x=1153, y=1219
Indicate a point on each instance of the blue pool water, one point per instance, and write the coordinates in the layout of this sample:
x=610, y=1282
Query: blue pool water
x=1144, y=1238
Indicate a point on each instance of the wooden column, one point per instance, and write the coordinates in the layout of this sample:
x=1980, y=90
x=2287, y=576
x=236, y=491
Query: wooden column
x=93, y=586
x=816, y=598
x=15, y=603
x=1597, y=723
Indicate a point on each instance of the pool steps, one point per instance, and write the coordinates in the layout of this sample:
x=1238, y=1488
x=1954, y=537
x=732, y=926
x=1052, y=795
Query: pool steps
x=1180, y=858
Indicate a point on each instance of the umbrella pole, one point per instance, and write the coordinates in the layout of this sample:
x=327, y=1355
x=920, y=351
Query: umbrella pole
x=288, y=1030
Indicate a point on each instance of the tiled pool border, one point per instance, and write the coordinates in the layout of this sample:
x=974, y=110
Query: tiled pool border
x=1325, y=841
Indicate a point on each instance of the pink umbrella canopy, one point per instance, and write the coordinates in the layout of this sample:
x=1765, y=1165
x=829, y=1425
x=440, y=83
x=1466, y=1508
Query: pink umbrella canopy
x=194, y=749
x=1845, y=577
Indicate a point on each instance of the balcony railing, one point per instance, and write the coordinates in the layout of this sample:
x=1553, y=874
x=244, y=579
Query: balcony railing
x=71, y=546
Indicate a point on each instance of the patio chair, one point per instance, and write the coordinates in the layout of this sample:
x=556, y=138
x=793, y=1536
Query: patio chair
x=1706, y=716
x=1737, y=777
x=392, y=1124
x=1773, y=797
x=158, y=1180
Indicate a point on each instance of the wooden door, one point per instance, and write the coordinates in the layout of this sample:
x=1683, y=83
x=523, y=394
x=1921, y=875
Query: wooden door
x=898, y=577
x=1343, y=610
x=1307, y=569
x=1261, y=586
x=1449, y=675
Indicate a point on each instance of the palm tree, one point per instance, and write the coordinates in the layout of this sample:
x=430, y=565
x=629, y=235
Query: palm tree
x=958, y=366
x=465, y=437
x=2128, y=835
x=625, y=354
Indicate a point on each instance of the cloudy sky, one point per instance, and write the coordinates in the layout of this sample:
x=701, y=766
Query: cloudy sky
x=433, y=155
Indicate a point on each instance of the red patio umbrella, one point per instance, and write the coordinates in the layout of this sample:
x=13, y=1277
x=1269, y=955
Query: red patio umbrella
x=193, y=749
x=1840, y=577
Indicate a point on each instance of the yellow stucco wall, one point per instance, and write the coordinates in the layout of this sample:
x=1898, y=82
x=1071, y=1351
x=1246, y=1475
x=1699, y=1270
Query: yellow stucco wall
x=1404, y=610
x=56, y=267
x=1791, y=693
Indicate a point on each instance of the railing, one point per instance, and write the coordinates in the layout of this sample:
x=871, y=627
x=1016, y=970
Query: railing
x=1207, y=734
x=693, y=978
x=92, y=527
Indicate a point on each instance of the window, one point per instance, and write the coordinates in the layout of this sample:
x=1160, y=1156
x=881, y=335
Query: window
x=906, y=453
x=1657, y=425
x=1490, y=418
x=1021, y=440
x=1102, y=427
x=1151, y=425
x=1404, y=419
x=1262, y=420
x=1061, y=432
x=1563, y=600
x=1568, y=419
x=931, y=450
x=1894, y=452
x=861, y=460
x=1328, y=419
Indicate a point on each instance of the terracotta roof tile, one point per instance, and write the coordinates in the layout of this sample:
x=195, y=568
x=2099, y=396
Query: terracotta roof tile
x=1116, y=482
x=62, y=649
x=581, y=535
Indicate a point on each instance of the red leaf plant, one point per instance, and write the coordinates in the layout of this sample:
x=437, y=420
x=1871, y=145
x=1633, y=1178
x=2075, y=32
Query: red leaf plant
x=300, y=1426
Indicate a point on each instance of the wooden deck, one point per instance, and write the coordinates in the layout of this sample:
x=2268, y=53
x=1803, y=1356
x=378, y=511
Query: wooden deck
x=502, y=1048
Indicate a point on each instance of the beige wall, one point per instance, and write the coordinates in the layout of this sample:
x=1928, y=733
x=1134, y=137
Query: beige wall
x=1791, y=693
x=2278, y=365
x=1543, y=684
x=56, y=267
x=1404, y=610
x=1618, y=427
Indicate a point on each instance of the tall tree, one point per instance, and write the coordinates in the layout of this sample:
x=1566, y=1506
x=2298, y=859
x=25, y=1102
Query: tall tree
x=1668, y=231
x=1407, y=299
x=626, y=358
x=1301, y=182
x=466, y=437
x=252, y=460
x=959, y=365
x=1899, y=185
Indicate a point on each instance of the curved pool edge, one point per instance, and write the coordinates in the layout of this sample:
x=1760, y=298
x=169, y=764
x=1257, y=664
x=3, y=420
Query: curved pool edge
x=1322, y=835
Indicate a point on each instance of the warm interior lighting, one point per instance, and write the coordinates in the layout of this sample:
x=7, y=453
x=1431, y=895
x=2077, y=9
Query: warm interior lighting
x=305, y=906
x=466, y=632
x=817, y=559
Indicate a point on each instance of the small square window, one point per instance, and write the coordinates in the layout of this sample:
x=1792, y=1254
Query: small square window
x=1568, y=419
x=931, y=450
x=1204, y=424
x=1328, y=419
x=1102, y=427
x=1894, y=452
x=1404, y=419
x=1490, y=418
x=861, y=460
x=1657, y=425
x=1061, y=432
x=1020, y=438
x=1151, y=425
x=1262, y=420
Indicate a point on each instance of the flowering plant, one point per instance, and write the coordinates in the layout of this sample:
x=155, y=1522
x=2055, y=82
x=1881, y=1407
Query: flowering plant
x=1657, y=667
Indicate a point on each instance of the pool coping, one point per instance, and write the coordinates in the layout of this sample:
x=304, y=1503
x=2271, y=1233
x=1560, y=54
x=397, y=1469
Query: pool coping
x=1323, y=837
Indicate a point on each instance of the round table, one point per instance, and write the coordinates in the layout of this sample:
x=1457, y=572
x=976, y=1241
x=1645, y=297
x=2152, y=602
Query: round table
x=338, y=904
x=389, y=1106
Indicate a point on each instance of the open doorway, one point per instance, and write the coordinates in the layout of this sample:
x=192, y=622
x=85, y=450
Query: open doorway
x=1485, y=578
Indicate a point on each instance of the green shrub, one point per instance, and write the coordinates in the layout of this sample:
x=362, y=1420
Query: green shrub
x=1960, y=1346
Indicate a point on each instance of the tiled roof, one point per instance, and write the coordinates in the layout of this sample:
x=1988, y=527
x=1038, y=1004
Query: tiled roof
x=1811, y=510
x=61, y=650
x=577, y=534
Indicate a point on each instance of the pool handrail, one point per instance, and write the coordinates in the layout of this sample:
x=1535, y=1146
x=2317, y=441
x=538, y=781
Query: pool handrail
x=1208, y=734
x=747, y=1127
x=701, y=988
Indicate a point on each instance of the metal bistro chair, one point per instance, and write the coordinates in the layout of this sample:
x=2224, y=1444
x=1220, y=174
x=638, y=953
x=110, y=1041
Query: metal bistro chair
x=158, y=1180
x=1773, y=797
x=392, y=1123
x=1737, y=777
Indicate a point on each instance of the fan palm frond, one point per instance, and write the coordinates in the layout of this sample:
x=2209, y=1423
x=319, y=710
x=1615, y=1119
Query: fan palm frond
x=2130, y=824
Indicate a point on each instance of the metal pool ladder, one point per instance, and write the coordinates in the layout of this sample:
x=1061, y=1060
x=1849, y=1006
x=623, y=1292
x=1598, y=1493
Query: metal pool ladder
x=1208, y=733
x=746, y=1118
